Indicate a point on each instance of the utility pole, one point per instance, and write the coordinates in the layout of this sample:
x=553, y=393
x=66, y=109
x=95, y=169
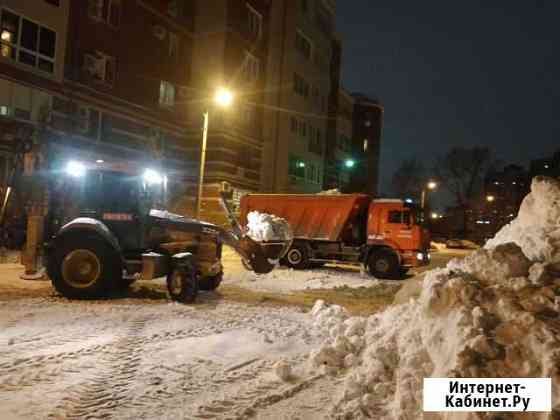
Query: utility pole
x=202, y=165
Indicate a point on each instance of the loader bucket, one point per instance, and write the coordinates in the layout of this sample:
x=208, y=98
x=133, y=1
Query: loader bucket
x=263, y=257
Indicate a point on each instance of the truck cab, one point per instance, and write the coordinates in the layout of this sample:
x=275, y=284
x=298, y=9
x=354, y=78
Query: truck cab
x=395, y=223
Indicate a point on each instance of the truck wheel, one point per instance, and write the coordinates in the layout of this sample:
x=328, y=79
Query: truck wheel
x=384, y=265
x=210, y=283
x=84, y=268
x=297, y=257
x=182, y=285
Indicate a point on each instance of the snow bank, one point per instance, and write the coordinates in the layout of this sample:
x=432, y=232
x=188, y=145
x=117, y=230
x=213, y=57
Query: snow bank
x=334, y=191
x=492, y=314
x=264, y=227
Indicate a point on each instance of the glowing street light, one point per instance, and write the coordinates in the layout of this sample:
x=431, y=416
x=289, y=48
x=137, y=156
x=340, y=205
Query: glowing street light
x=490, y=198
x=350, y=163
x=223, y=98
x=432, y=185
x=435, y=216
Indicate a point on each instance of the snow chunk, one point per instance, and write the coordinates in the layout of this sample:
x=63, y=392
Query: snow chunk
x=283, y=370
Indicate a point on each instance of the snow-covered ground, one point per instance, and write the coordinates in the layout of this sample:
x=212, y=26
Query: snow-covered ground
x=146, y=359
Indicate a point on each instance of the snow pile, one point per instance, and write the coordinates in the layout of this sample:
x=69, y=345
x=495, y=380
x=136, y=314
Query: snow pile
x=492, y=314
x=537, y=227
x=334, y=191
x=263, y=227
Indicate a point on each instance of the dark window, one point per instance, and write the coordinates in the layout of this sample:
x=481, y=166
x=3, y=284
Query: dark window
x=54, y=2
x=47, y=42
x=29, y=34
x=395, y=216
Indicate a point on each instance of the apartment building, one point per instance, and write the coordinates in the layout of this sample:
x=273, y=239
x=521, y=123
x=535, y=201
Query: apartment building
x=32, y=55
x=230, y=50
x=298, y=85
x=127, y=65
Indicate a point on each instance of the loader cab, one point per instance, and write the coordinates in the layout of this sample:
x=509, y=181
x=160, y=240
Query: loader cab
x=120, y=199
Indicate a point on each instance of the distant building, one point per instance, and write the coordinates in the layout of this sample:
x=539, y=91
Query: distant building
x=299, y=83
x=366, y=139
x=546, y=166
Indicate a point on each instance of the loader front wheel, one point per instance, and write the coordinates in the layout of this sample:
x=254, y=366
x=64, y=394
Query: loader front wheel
x=182, y=284
x=84, y=268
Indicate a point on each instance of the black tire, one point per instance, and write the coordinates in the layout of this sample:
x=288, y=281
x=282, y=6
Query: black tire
x=84, y=267
x=384, y=264
x=182, y=284
x=297, y=257
x=210, y=283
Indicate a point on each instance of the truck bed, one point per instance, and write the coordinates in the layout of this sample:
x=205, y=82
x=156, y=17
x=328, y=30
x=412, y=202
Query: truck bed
x=311, y=216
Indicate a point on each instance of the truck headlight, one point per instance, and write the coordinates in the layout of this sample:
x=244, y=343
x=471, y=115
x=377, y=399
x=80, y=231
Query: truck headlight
x=420, y=256
x=152, y=177
x=76, y=169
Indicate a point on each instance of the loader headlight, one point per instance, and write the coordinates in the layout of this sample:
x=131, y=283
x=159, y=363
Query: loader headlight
x=152, y=177
x=75, y=169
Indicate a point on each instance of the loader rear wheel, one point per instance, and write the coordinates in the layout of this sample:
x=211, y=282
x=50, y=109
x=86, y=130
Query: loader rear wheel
x=210, y=283
x=297, y=257
x=84, y=268
x=182, y=284
x=384, y=265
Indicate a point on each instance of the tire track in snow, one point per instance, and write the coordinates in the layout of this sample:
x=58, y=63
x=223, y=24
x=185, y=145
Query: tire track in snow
x=108, y=388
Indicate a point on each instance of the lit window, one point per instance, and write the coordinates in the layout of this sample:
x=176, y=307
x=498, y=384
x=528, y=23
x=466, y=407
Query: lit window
x=27, y=42
x=166, y=94
x=254, y=21
x=365, y=145
x=4, y=110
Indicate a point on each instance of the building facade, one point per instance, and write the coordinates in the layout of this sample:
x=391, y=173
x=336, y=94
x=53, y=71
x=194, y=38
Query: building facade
x=230, y=51
x=298, y=85
x=366, y=141
x=341, y=160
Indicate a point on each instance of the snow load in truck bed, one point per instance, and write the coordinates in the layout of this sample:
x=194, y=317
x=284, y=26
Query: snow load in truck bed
x=494, y=313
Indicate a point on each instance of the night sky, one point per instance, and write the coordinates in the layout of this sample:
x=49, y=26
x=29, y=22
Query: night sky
x=456, y=73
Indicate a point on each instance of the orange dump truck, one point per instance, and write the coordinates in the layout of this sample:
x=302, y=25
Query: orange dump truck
x=381, y=234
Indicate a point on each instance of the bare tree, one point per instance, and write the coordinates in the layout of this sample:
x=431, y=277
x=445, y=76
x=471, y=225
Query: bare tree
x=461, y=171
x=409, y=179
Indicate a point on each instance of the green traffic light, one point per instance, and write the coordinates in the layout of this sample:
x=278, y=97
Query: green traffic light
x=350, y=163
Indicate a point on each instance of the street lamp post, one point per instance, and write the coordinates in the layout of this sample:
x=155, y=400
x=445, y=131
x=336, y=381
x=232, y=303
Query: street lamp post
x=224, y=99
x=432, y=185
